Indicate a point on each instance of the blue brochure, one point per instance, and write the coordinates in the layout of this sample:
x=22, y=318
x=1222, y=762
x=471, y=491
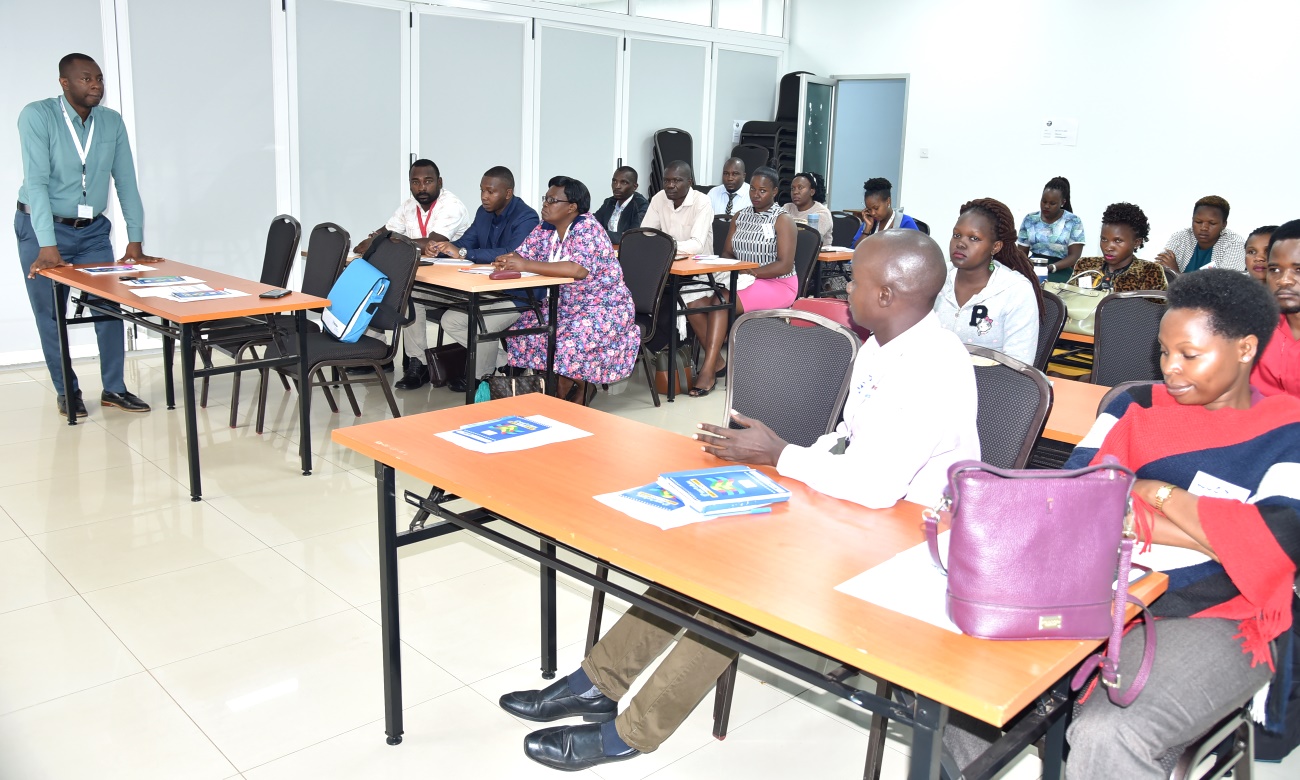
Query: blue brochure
x=725, y=489
x=501, y=429
x=654, y=496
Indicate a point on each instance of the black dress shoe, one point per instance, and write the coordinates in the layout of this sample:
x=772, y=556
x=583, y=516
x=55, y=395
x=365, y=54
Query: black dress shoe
x=417, y=376
x=558, y=701
x=77, y=404
x=126, y=401
x=570, y=748
x=456, y=385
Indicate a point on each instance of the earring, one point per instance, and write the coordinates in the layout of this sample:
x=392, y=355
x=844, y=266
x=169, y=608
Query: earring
x=991, y=264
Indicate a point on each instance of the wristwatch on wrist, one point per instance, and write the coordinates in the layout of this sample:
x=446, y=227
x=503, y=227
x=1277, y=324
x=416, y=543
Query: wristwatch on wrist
x=1162, y=495
x=461, y=253
x=1051, y=269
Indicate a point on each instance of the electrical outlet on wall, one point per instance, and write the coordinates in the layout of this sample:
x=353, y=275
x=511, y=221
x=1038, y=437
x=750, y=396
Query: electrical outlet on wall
x=736, y=124
x=925, y=152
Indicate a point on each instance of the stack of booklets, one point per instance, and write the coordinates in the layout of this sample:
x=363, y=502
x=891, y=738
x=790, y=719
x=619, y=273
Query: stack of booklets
x=512, y=434
x=683, y=497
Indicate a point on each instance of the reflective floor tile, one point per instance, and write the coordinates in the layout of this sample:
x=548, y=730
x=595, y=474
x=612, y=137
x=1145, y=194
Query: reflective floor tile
x=182, y=614
x=294, y=508
x=76, y=499
x=74, y=450
x=261, y=699
x=8, y=528
x=54, y=649
x=27, y=578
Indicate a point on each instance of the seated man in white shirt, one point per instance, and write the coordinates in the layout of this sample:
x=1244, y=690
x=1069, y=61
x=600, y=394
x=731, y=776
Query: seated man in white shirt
x=732, y=194
x=429, y=217
x=686, y=214
x=909, y=416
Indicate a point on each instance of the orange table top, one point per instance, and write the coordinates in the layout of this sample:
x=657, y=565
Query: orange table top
x=451, y=277
x=1078, y=338
x=191, y=311
x=777, y=571
x=692, y=267
x=1074, y=409
x=835, y=257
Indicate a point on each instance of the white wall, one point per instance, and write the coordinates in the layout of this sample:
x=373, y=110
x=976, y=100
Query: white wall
x=1176, y=99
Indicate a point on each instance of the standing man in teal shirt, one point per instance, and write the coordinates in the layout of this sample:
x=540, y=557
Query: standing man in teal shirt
x=71, y=148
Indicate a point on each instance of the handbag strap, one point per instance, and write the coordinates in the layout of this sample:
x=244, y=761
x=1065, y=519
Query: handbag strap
x=931, y=517
x=1108, y=662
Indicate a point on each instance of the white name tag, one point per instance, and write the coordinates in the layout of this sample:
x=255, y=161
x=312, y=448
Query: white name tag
x=85, y=212
x=1210, y=486
x=768, y=232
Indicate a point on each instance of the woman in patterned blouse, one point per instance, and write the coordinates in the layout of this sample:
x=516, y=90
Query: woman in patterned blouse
x=1053, y=235
x=762, y=233
x=1124, y=229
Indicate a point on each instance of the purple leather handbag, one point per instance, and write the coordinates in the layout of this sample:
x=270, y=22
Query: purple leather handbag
x=1033, y=554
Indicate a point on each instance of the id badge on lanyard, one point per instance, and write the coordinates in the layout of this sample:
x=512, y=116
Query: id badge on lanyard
x=84, y=210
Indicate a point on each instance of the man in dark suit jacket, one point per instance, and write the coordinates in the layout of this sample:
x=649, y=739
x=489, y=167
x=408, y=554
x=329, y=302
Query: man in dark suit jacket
x=624, y=209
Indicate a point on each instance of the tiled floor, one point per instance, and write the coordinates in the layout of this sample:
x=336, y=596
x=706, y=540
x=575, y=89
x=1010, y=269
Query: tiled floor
x=145, y=636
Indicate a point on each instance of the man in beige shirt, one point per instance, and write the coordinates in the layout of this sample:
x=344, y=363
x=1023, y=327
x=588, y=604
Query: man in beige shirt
x=681, y=211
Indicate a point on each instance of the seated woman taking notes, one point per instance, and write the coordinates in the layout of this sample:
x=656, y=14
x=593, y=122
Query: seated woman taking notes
x=596, y=335
x=761, y=233
x=991, y=297
x=1216, y=465
x=1053, y=235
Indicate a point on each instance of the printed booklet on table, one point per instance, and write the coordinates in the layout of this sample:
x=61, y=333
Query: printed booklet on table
x=723, y=489
x=501, y=430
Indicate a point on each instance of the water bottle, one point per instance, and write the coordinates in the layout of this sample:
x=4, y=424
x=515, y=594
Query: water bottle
x=813, y=219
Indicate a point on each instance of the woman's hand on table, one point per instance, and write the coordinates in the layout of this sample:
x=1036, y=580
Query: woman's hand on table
x=509, y=262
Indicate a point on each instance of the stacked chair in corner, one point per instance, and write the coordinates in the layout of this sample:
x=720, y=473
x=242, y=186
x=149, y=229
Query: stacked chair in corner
x=670, y=145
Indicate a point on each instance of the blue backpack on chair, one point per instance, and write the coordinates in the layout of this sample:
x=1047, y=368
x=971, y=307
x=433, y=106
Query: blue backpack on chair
x=354, y=299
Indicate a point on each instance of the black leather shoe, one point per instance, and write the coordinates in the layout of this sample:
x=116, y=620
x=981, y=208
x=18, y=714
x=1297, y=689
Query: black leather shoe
x=126, y=401
x=558, y=701
x=77, y=404
x=417, y=376
x=570, y=748
x=456, y=385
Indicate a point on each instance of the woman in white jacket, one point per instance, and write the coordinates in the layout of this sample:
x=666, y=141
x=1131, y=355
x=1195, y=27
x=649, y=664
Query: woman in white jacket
x=992, y=296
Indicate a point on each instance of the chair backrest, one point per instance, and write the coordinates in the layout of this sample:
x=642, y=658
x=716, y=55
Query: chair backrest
x=721, y=226
x=1117, y=390
x=1125, y=348
x=281, y=246
x=673, y=144
x=755, y=156
x=327, y=248
x=833, y=309
x=924, y=227
x=1014, y=401
x=1049, y=328
x=787, y=103
x=844, y=226
x=793, y=378
x=808, y=244
x=398, y=258
x=646, y=256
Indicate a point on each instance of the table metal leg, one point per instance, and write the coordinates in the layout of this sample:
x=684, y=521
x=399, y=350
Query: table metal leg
x=817, y=279
x=1054, y=749
x=927, y=739
x=731, y=311
x=549, y=648
x=169, y=381
x=304, y=393
x=191, y=411
x=553, y=315
x=471, y=350
x=390, y=629
x=674, y=284
x=60, y=293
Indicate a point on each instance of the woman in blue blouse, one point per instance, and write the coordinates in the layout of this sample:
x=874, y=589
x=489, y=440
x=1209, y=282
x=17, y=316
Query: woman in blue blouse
x=878, y=210
x=1053, y=235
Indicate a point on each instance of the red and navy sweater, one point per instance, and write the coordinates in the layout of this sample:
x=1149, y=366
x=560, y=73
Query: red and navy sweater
x=1257, y=540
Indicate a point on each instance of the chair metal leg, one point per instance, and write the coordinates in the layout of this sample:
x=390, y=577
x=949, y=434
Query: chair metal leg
x=325, y=388
x=722, y=696
x=597, y=610
x=388, y=391
x=347, y=390
x=235, y=385
x=284, y=382
x=876, y=740
x=647, y=359
x=262, y=382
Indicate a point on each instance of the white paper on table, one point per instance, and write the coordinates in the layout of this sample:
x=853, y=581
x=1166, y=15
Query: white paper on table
x=1164, y=557
x=105, y=270
x=165, y=292
x=909, y=583
x=451, y=261
x=661, y=518
x=169, y=293
x=555, y=432
x=837, y=249
x=716, y=261
x=486, y=270
x=146, y=282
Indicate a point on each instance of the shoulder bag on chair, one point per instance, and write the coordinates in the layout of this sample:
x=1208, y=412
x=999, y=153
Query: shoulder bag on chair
x=1034, y=554
x=1080, y=302
x=355, y=297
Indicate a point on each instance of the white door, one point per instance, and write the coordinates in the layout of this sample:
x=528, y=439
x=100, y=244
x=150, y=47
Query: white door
x=665, y=85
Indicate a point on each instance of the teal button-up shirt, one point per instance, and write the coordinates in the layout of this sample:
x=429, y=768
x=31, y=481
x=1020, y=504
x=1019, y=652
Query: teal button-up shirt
x=52, y=167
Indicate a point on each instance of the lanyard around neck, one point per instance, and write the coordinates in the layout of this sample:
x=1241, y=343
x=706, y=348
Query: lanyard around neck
x=82, y=151
x=424, y=223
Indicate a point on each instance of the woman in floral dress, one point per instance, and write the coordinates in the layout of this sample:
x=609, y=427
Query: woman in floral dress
x=597, y=341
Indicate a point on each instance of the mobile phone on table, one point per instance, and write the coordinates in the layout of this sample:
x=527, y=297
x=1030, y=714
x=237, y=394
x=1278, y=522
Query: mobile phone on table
x=275, y=293
x=127, y=278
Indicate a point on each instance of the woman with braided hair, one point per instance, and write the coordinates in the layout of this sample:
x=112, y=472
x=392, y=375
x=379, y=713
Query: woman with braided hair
x=992, y=297
x=1053, y=235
